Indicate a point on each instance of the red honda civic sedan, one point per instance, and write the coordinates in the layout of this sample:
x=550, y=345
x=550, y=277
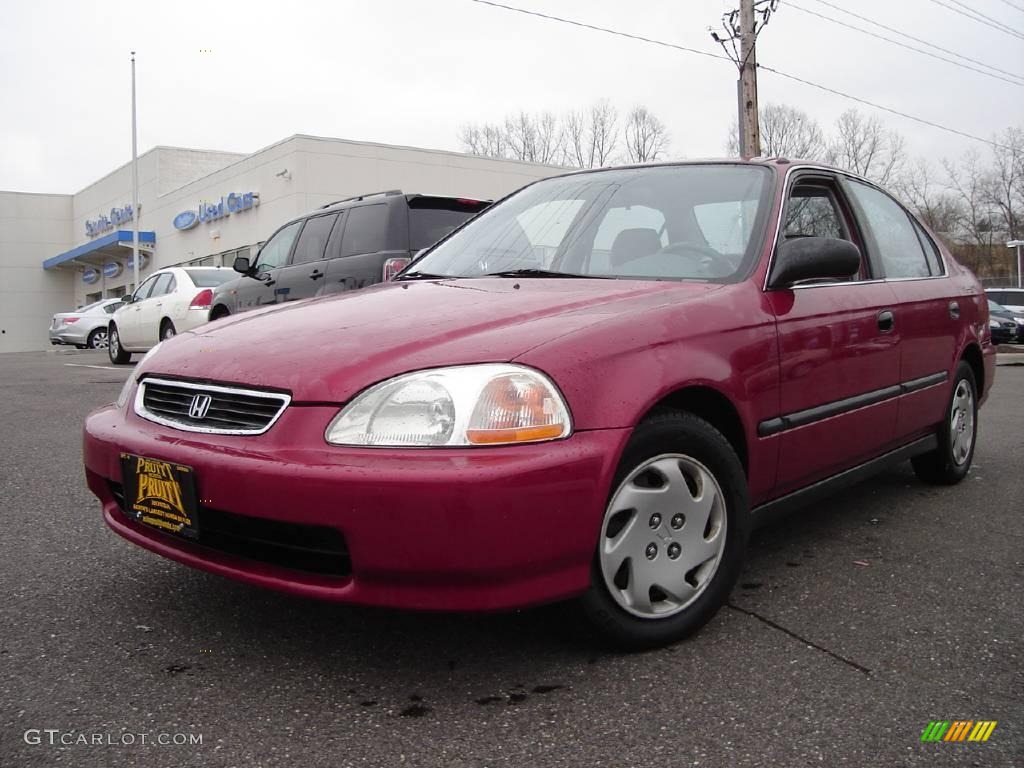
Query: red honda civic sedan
x=592, y=390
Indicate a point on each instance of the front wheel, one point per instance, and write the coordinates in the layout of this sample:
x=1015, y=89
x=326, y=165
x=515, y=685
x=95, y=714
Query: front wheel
x=118, y=355
x=673, y=537
x=958, y=433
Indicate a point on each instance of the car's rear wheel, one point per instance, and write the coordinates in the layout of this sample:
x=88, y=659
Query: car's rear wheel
x=167, y=330
x=673, y=535
x=97, y=339
x=958, y=434
x=118, y=355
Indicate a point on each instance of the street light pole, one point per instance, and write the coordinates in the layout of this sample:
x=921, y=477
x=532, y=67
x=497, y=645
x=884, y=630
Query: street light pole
x=135, y=189
x=1017, y=244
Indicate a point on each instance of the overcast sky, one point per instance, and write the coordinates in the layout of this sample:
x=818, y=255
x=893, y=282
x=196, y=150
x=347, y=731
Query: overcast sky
x=412, y=71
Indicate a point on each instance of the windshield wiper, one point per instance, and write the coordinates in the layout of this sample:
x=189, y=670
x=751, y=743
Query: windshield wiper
x=423, y=276
x=533, y=272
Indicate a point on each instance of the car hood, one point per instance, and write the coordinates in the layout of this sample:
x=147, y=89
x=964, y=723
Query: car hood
x=328, y=349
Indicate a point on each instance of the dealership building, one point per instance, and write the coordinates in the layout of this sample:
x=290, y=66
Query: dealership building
x=201, y=207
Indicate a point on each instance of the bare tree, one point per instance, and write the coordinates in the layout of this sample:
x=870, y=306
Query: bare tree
x=971, y=182
x=1005, y=189
x=785, y=132
x=602, y=134
x=864, y=145
x=645, y=136
x=931, y=199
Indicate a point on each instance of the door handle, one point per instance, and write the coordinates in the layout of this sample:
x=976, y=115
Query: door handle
x=954, y=310
x=316, y=274
x=886, y=321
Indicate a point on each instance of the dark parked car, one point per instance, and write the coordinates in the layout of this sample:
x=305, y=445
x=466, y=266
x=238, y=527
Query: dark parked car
x=342, y=246
x=593, y=390
x=1009, y=298
x=1007, y=326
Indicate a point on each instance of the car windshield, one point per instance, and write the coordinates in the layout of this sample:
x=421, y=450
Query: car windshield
x=210, y=278
x=686, y=222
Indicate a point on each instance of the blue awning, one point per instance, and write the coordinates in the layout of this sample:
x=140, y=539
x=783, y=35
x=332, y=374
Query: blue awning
x=114, y=239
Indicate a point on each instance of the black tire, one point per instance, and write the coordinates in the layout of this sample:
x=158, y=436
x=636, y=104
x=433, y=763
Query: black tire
x=96, y=337
x=675, y=432
x=118, y=355
x=218, y=312
x=167, y=330
x=940, y=467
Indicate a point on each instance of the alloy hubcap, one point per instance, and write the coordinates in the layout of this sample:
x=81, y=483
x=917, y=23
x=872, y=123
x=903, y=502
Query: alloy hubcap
x=113, y=342
x=100, y=340
x=663, y=536
x=168, y=332
x=961, y=422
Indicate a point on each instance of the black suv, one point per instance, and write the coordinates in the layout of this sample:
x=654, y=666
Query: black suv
x=342, y=246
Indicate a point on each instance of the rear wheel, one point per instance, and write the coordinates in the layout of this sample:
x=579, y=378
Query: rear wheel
x=218, y=312
x=673, y=536
x=97, y=339
x=951, y=461
x=118, y=355
x=167, y=330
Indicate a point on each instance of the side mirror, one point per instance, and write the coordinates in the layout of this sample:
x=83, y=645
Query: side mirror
x=127, y=298
x=813, y=258
x=241, y=264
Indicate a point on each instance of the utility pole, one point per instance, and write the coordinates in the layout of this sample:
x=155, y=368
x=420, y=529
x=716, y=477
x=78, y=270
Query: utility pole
x=743, y=25
x=750, y=127
x=135, y=188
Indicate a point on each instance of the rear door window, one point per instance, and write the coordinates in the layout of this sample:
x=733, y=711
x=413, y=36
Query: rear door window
x=162, y=285
x=313, y=239
x=365, y=230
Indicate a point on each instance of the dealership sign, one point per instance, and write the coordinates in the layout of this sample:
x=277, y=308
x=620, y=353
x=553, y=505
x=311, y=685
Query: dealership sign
x=112, y=269
x=207, y=211
x=118, y=216
x=90, y=275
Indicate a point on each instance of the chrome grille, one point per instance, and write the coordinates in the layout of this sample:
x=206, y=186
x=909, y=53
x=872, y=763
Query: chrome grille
x=210, y=408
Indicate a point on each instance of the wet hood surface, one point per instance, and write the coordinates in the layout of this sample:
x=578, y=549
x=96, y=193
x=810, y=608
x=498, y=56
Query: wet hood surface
x=328, y=349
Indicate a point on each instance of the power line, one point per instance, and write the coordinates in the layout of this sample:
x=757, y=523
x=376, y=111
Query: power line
x=1003, y=29
x=918, y=39
x=778, y=72
x=791, y=4
x=907, y=115
x=603, y=29
x=1016, y=7
x=987, y=18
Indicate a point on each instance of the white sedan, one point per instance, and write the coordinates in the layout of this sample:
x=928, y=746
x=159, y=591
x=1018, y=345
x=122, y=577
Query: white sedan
x=169, y=301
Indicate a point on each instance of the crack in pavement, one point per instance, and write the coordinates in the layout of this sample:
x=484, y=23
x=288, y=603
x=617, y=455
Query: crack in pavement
x=753, y=614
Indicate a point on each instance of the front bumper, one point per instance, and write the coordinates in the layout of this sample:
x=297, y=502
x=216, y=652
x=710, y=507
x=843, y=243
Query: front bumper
x=433, y=529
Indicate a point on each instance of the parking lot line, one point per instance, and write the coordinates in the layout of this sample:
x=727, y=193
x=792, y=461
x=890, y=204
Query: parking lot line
x=101, y=367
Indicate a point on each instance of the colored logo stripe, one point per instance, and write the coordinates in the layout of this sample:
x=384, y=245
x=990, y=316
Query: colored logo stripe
x=935, y=731
x=958, y=730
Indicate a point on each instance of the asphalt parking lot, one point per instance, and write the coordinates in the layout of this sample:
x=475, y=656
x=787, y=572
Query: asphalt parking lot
x=855, y=624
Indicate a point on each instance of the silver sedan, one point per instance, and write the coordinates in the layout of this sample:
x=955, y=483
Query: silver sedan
x=85, y=327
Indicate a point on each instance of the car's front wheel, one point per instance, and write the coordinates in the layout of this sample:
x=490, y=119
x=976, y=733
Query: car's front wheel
x=674, y=533
x=118, y=355
x=958, y=433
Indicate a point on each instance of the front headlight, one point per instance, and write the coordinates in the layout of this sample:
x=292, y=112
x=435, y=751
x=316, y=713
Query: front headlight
x=129, y=383
x=993, y=323
x=488, y=404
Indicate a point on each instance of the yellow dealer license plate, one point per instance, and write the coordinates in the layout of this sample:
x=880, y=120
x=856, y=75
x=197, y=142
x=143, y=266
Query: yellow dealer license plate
x=160, y=494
